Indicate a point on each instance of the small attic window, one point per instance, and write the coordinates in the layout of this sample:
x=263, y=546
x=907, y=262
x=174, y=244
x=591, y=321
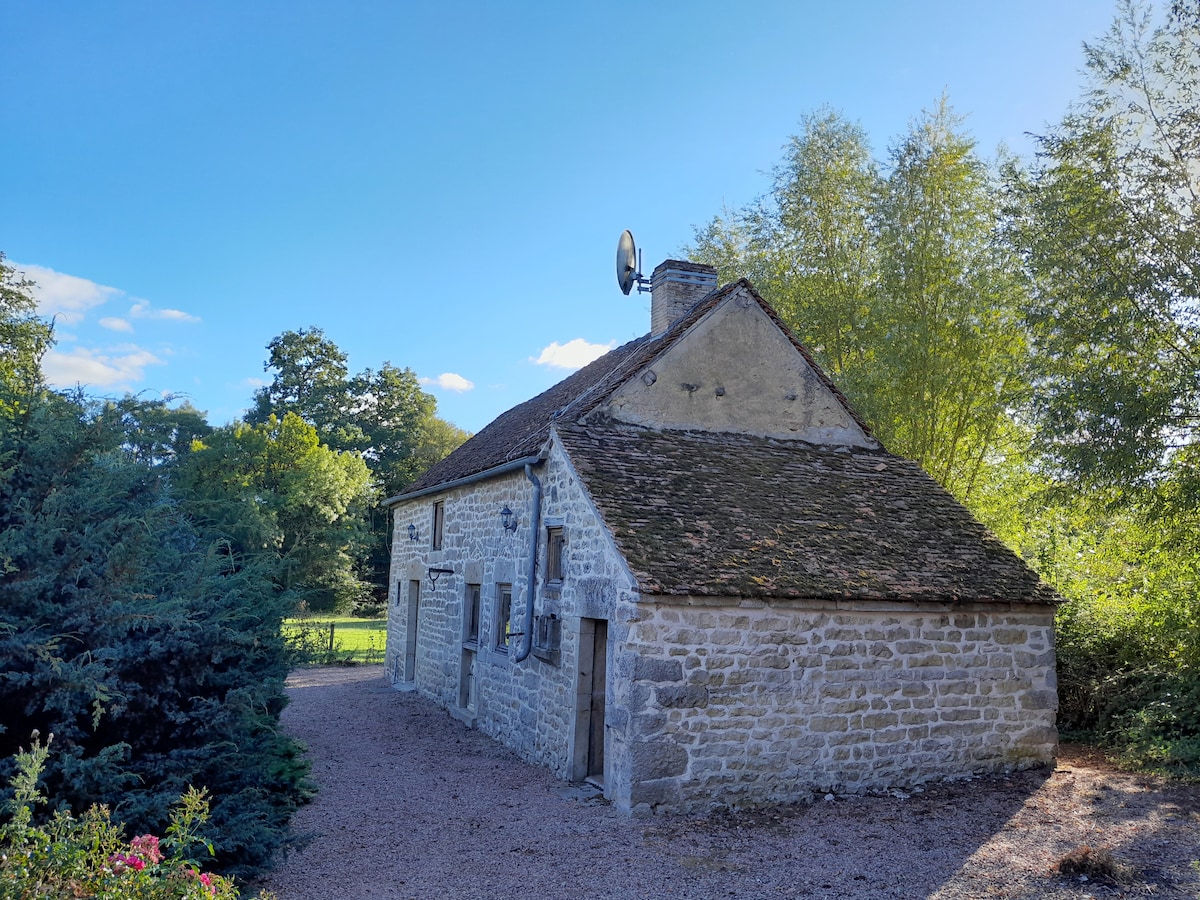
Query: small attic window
x=439, y=515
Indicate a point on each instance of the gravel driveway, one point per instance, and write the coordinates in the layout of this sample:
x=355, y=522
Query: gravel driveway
x=414, y=804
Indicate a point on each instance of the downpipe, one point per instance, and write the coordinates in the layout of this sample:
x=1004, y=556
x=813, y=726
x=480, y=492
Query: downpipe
x=535, y=528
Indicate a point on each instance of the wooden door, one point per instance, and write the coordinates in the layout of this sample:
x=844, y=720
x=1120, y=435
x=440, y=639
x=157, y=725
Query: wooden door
x=410, y=631
x=595, y=757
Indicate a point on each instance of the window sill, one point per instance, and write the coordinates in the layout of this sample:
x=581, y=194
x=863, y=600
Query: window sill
x=553, y=657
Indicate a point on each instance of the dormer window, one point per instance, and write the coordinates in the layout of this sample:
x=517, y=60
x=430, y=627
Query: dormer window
x=439, y=515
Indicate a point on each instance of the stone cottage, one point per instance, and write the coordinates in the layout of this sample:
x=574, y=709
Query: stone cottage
x=688, y=573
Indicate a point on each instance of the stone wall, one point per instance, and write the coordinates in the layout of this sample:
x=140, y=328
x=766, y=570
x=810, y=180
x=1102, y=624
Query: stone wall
x=529, y=706
x=729, y=702
x=754, y=704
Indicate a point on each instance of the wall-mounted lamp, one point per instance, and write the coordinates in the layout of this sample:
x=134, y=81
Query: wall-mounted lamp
x=435, y=574
x=412, y=532
x=509, y=519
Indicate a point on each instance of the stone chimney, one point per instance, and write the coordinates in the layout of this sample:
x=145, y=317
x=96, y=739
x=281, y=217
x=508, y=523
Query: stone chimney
x=675, y=287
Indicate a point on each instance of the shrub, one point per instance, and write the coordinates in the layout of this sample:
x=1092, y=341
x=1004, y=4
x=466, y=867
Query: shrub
x=89, y=856
x=1128, y=681
x=139, y=637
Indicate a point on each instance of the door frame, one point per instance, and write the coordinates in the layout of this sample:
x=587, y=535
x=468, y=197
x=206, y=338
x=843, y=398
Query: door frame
x=592, y=641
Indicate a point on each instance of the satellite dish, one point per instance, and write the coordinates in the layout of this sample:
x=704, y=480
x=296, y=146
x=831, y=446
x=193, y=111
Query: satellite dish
x=627, y=262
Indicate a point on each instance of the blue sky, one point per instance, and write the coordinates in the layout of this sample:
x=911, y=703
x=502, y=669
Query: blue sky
x=439, y=185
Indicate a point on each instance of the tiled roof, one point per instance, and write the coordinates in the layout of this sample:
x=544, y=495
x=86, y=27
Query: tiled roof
x=524, y=429
x=732, y=515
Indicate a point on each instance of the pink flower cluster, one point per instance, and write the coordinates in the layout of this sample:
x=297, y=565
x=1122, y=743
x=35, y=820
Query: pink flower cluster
x=146, y=847
x=145, y=851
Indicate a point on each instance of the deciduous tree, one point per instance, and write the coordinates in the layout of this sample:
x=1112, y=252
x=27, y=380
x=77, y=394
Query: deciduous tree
x=1111, y=234
x=900, y=283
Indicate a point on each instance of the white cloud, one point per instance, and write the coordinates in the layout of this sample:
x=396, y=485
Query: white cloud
x=574, y=354
x=65, y=297
x=448, y=381
x=120, y=368
x=254, y=382
x=143, y=310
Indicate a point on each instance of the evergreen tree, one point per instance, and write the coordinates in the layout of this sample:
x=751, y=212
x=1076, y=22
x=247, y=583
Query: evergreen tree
x=150, y=646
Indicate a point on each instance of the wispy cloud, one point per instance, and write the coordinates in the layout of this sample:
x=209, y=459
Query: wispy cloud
x=143, y=310
x=118, y=368
x=449, y=381
x=67, y=298
x=574, y=354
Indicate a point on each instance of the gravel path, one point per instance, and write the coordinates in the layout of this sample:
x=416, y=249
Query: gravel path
x=414, y=804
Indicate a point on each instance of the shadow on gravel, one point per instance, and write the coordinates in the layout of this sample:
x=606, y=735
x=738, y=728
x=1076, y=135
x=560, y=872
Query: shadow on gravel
x=414, y=804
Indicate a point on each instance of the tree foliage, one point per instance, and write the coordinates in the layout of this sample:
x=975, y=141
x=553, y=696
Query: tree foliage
x=1107, y=223
x=138, y=634
x=274, y=490
x=310, y=381
x=1109, y=227
x=23, y=336
x=152, y=651
x=900, y=283
x=381, y=415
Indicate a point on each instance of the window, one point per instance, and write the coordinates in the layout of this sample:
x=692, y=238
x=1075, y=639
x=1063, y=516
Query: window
x=503, y=616
x=554, y=554
x=439, y=513
x=471, y=625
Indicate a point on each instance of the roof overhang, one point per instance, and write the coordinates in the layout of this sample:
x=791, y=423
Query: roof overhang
x=502, y=469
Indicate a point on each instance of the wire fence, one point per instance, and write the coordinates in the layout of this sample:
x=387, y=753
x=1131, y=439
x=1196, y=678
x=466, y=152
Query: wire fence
x=331, y=642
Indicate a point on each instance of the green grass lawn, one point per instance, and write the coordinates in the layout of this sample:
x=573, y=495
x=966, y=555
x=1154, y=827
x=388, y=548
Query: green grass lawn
x=353, y=640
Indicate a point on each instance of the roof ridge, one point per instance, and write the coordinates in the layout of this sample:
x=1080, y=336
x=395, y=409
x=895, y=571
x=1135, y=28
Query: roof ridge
x=521, y=430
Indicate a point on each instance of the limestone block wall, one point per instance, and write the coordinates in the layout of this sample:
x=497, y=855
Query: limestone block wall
x=530, y=706
x=749, y=703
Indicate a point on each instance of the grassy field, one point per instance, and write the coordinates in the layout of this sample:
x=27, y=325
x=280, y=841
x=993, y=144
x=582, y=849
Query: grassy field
x=353, y=640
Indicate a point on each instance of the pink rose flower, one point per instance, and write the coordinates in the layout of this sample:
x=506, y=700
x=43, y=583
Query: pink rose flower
x=146, y=846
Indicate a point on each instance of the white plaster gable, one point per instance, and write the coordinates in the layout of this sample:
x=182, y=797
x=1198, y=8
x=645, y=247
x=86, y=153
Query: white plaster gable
x=736, y=371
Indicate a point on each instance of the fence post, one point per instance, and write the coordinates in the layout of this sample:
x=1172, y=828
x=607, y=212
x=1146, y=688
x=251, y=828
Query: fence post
x=330, y=638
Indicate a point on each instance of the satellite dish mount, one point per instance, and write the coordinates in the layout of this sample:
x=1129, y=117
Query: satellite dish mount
x=629, y=265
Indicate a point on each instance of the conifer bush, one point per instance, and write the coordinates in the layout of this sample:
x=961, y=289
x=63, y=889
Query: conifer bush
x=137, y=635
